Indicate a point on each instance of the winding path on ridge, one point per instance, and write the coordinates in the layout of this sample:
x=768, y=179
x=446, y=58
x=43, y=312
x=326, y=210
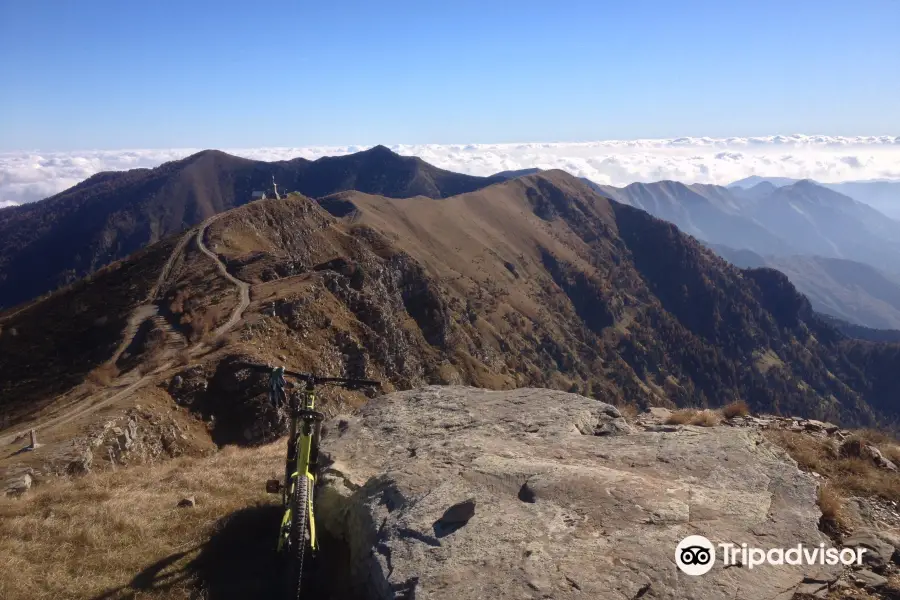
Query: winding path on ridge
x=150, y=309
x=243, y=286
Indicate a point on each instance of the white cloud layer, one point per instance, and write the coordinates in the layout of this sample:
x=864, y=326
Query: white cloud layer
x=30, y=176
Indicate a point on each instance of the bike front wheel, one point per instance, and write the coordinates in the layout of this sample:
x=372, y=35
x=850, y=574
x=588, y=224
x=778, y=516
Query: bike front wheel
x=299, y=533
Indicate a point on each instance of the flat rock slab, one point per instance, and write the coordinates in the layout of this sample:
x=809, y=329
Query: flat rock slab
x=561, y=499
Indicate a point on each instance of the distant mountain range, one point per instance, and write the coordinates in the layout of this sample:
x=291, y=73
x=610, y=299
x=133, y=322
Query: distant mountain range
x=56, y=241
x=883, y=195
x=754, y=222
x=800, y=218
x=824, y=241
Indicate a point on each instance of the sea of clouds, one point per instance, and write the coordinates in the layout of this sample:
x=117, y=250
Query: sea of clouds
x=29, y=176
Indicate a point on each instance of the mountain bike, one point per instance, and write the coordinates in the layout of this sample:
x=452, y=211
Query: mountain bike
x=298, y=526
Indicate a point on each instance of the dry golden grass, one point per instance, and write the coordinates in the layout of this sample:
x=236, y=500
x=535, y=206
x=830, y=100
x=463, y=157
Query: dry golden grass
x=183, y=357
x=850, y=475
x=738, y=408
x=681, y=417
x=831, y=503
x=629, y=410
x=891, y=452
x=690, y=416
x=874, y=437
x=120, y=534
x=103, y=375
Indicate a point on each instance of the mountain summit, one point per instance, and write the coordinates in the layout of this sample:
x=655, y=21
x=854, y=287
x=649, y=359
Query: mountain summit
x=110, y=215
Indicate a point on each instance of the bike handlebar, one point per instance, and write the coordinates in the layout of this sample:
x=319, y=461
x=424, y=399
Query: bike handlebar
x=315, y=379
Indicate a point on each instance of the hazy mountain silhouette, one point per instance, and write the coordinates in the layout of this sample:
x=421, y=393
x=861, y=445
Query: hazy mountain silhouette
x=848, y=290
x=883, y=195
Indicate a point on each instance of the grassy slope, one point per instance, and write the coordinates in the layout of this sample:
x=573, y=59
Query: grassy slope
x=121, y=535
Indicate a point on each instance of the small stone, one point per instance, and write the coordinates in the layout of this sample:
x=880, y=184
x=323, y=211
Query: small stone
x=869, y=580
x=812, y=590
x=614, y=427
x=658, y=412
x=18, y=485
x=892, y=538
x=840, y=584
x=878, y=553
x=879, y=459
x=188, y=502
x=813, y=425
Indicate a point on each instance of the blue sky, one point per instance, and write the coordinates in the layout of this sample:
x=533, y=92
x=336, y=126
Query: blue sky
x=111, y=74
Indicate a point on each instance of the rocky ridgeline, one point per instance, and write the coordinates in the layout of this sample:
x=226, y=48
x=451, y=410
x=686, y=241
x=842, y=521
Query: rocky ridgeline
x=456, y=492
x=659, y=419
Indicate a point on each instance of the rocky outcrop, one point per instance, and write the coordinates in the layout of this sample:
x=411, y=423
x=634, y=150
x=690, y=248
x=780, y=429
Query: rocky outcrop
x=456, y=492
x=236, y=399
x=16, y=482
x=138, y=435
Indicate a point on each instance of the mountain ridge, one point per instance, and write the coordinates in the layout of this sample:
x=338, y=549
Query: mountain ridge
x=57, y=240
x=881, y=194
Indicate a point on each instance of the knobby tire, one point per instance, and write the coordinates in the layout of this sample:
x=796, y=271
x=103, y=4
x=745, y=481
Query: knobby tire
x=299, y=535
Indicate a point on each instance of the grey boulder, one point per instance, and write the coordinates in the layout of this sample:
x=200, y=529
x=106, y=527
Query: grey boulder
x=556, y=497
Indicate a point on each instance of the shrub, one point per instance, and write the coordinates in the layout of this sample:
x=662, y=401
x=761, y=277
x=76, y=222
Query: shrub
x=629, y=410
x=103, y=375
x=706, y=418
x=738, y=408
x=691, y=416
x=831, y=503
x=681, y=417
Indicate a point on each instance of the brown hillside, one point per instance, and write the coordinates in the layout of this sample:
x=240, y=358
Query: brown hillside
x=538, y=281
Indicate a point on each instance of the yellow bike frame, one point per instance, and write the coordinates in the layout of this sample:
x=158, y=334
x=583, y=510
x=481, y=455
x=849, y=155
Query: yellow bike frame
x=302, y=433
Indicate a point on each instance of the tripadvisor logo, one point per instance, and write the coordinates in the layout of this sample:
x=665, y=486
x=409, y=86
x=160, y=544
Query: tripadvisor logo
x=696, y=555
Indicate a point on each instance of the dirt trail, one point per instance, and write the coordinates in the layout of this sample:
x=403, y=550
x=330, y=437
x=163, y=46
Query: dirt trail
x=149, y=310
x=138, y=316
x=243, y=286
x=82, y=408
